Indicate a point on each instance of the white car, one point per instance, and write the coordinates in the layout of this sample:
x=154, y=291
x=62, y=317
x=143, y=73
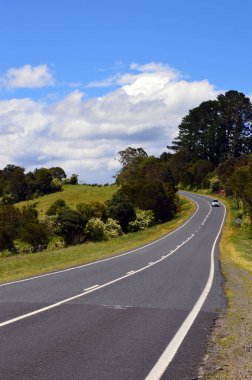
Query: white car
x=215, y=203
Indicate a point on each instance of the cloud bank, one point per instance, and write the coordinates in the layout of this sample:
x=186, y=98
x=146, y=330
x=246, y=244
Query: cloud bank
x=84, y=135
x=27, y=77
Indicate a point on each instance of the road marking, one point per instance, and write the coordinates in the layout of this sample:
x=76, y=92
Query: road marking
x=91, y=287
x=87, y=291
x=131, y=272
x=103, y=260
x=172, y=348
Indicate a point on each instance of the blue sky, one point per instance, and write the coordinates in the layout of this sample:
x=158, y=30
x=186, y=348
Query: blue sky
x=80, y=80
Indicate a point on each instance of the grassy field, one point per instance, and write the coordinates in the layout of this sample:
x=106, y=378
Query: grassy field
x=17, y=267
x=72, y=195
x=230, y=349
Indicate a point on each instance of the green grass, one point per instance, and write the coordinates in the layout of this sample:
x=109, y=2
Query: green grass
x=17, y=267
x=72, y=195
x=236, y=241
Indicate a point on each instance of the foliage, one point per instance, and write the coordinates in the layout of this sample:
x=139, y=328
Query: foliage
x=120, y=208
x=93, y=209
x=16, y=186
x=240, y=182
x=58, y=205
x=71, y=225
x=73, y=180
x=112, y=229
x=144, y=219
x=217, y=130
x=55, y=242
x=95, y=230
x=149, y=185
x=57, y=173
x=9, y=223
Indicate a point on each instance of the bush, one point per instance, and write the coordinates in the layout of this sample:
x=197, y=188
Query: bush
x=120, y=208
x=58, y=205
x=144, y=219
x=21, y=246
x=95, y=230
x=34, y=233
x=112, y=229
x=93, y=210
x=71, y=224
x=55, y=242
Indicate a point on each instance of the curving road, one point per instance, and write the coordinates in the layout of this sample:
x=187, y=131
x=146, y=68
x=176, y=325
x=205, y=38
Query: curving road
x=145, y=314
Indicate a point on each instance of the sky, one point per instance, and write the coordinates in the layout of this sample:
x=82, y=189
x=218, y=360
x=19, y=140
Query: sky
x=81, y=80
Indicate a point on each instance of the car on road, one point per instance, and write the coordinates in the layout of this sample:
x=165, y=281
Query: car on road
x=215, y=203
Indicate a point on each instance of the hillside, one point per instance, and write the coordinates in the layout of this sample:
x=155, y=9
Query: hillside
x=72, y=195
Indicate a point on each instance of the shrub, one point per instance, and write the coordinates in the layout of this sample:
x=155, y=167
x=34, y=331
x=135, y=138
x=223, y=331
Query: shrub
x=95, y=230
x=55, y=242
x=34, y=233
x=71, y=224
x=21, y=246
x=58, y=205
x=93, y=210
x=144, y=219
x=112, y=229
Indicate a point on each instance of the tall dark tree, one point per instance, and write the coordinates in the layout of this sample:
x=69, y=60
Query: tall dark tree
x=235, y=123
x=217, y=130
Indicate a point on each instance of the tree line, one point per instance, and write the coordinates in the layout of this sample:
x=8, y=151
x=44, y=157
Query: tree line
x=213, y=149
x=17, y=186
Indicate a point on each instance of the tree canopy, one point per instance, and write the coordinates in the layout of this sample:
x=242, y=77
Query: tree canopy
x=217, y=130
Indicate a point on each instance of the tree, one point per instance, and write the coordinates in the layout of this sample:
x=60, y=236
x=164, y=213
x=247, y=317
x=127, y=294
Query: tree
x=217, y=130
x=120, y=209
x=152, y=195
x=93, y=210
x=57, y=173
x=9, y=224
x=236, y=123
x=58, y=205
x=43, y=180
x=71, y=226
x=73, y=180
x=14, y=184
x=129, y=159
x=240, y=182
x=129, y=154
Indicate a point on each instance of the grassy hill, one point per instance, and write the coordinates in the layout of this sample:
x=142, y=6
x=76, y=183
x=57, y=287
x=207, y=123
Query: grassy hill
x=72, y=195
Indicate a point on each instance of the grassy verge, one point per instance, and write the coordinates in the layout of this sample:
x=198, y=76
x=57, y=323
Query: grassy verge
x=230, y=349
x=17, y=267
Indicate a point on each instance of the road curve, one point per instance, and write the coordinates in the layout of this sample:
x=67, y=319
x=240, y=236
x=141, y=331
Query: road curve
x=145, y=314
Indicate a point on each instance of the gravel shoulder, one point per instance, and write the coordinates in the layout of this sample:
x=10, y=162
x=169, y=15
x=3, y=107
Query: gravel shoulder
x=229, y=354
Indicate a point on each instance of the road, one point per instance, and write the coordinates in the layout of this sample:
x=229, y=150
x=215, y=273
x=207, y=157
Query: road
x=144, y=314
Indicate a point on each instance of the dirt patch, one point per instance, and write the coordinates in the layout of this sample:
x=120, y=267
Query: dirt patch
x=229, y=354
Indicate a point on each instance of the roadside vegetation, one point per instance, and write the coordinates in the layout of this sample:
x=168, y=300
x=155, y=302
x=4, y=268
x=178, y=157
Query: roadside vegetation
x=20, y=266
x=229, y=353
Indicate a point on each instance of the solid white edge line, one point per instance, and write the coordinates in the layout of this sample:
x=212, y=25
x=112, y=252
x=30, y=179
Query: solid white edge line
x=172, y=348
x=109, y=258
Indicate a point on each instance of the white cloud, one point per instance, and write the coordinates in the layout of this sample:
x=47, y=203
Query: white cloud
x=28, y=77
x=84, y=135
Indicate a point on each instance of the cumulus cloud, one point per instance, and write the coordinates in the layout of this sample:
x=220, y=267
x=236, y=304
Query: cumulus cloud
x=84, y=135
x=27, y=77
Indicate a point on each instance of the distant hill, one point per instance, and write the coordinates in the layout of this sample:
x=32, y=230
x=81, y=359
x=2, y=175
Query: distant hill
x=72, y=195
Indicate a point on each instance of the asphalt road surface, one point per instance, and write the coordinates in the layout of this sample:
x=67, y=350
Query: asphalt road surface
x=144, y=314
